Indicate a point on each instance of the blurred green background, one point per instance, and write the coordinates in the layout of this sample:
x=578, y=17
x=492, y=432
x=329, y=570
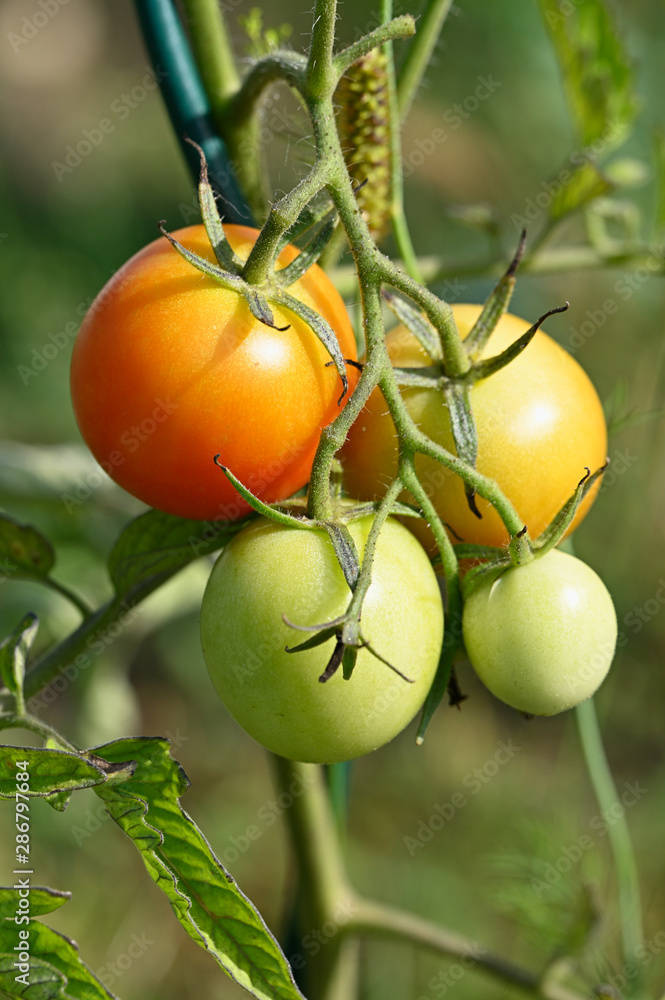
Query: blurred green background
x=63, y=233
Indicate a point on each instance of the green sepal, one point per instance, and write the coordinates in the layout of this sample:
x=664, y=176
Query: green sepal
x=257, y=304
x=441, y=680
x=272, y=513
x=483, y=369
x=13, y=655
x=419, y=378
x=308, y=218
x=416, y=323
x=469, y=550
x=321, y=328
x=309, y=255
x=478, y=575
x=345, y=550
x=349, y=661
x=559, y=525
x=316, y=640
x=212, y=220
x=495, y=306
x=463, y=426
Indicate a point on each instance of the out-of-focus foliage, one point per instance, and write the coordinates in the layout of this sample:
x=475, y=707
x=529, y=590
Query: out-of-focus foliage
x=88, y=168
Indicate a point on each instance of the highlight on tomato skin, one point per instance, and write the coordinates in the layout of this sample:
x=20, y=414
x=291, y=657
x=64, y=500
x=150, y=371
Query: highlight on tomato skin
x=170, y=369
x=539, y=421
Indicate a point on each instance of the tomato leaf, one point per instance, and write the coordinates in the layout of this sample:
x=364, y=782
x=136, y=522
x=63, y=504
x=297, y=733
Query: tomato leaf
x=416, y=323
x=597, y=74
x=495, y=307
x=14, y=652
x=155, y=545
x=204, y=897
x=25, y=554
x=55, y=971
x=42, y=900
x=50, y=771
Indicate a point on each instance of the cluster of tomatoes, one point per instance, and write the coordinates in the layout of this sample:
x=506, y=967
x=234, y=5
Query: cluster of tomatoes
x=540, y=635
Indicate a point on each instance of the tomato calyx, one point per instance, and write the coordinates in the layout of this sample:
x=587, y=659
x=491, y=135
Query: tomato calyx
x=230, y=272
x=521, y=550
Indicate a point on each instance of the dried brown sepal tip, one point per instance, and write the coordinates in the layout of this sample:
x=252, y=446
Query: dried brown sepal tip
x=364, y=129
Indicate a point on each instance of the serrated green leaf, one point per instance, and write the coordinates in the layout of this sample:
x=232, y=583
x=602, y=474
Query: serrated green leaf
x=204, y=897
x=42, y=900
x=597, y=75
x=50, y=771
x=155, y=545
x=25, y=554
x=55, y=970
x=14, y=652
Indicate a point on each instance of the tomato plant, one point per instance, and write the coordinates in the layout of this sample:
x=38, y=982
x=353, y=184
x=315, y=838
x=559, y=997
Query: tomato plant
x=170, y=369
x=541, y=636
x=270, y=572
x=539, y=423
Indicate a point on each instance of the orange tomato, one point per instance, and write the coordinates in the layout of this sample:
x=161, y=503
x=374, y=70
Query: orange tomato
x=170, y=369
x=539, y=422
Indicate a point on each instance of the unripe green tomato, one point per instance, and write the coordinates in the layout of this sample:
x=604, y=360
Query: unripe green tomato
x=541, y=637
x=268, y=571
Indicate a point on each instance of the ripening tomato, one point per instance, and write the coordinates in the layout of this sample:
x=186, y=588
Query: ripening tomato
x=170, y=369
x=541, y=637
x=539, y=422
x=268, y=572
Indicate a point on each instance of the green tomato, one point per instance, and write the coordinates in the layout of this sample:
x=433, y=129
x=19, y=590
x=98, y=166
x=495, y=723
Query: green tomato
x=541, y=636
x=269, y=571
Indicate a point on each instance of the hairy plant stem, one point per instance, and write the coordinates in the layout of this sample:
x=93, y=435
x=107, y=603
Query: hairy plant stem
x=32, y=725
x=397, y=216
x=215, y=60
x=625, y=865
x=329, y=899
